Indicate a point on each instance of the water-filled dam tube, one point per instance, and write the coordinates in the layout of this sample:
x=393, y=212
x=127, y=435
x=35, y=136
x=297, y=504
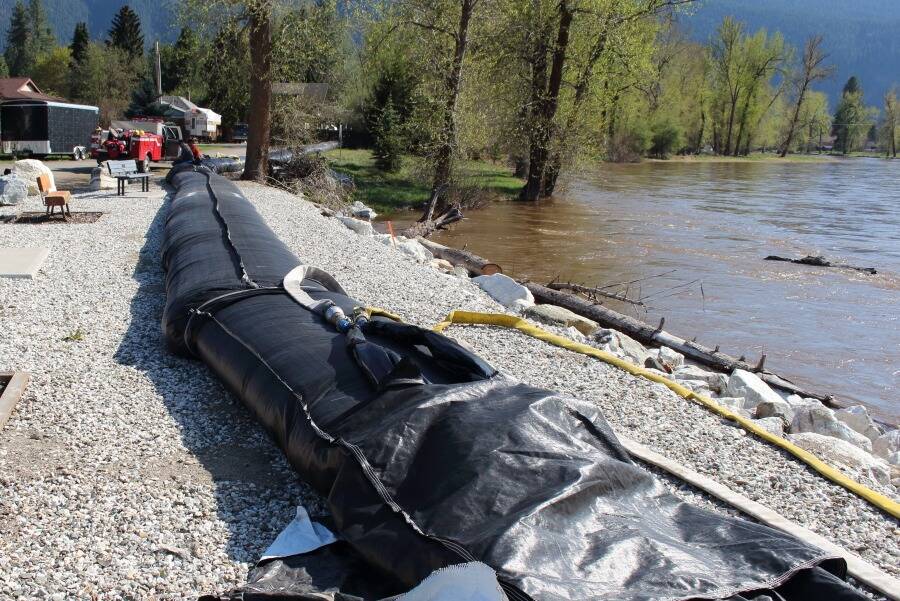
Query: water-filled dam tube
x=426, y=456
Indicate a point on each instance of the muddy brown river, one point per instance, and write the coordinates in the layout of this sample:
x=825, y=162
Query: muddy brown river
x=707, y=227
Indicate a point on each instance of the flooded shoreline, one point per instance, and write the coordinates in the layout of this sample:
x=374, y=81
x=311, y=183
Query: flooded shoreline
x=692, y=238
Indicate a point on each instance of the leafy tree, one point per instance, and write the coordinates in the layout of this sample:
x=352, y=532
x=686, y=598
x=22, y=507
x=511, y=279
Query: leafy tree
x=183, y=74
x=80, y=41
x=225, y=69
x=125, y=33
x=666, y=137
x=4, y=70
x=814, y=120
x=812, y=68
x=890, y=123
x=19, y=52
x=852, y=119
x=98, y=87
x=52, y=71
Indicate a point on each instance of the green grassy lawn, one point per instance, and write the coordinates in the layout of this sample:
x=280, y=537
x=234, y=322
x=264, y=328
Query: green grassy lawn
x=411, y=186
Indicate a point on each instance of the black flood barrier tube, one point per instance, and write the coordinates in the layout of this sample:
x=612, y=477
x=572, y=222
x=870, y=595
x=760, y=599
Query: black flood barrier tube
x=427, y=457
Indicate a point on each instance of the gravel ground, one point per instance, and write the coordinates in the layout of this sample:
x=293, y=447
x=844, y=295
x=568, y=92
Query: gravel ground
x=126, y=472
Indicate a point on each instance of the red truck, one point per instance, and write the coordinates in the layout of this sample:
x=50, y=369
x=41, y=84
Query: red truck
x=139, y=144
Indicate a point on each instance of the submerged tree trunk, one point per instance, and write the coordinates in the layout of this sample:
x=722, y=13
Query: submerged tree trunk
x=447, y=149
x=259, y=122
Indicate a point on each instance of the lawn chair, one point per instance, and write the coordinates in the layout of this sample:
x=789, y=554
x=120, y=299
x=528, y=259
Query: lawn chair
x=54, y=198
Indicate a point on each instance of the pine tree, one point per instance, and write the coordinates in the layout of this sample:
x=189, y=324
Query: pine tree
x=19, y=48
x=125, y=32
x=4, y=70
x=80, y=41
x=42, y=37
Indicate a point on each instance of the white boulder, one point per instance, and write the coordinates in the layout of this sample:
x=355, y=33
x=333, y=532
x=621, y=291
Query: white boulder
x=13, y=189
x=361, y=211
x=772, y=425
x=441, y=265
x=413, y=249
x=780, y=409
x=101, y=180
x=819, y=419
x=561, y=316
x=670, y=358
x=795, y=400
x=363, y=228
x=748, y=385
x=715, y=381
x=887, y=446
x=858, y=418
x=29, y=170
x=843, y=454
x=623, y=344
x=505, y=290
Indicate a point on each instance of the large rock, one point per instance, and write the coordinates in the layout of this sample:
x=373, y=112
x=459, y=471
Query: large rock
x=363, y=228
x=858, y=419
x=842, y=454
x=887, y=446
x=505, y=290
x=361, y=211
x=413, y=249
x=715, y=381
x=563, y=317
x=101, y=180
x=780, y=409
x=748, y=385
x=622, y=344
x=670, y=358
x=819, y=419
x=772, y=425
x=29, y=170
x=13, y=189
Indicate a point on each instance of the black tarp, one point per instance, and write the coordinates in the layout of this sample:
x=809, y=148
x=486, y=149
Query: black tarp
x=446, y=461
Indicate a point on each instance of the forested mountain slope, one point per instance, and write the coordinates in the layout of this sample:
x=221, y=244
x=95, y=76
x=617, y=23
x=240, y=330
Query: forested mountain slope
x=860, y=35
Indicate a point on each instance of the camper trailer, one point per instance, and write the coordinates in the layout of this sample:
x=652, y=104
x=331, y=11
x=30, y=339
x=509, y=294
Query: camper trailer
x=42, y=127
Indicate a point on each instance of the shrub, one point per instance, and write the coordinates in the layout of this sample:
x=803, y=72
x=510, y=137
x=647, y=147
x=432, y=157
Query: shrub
x=665, y=138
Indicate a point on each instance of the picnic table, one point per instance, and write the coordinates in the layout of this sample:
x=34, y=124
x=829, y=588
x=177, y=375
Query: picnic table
x=124, y=172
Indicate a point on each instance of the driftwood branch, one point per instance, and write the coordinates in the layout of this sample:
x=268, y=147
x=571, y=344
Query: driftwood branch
x=428, y=223
x=474, y=264
x=819, y=261
x=591, y=293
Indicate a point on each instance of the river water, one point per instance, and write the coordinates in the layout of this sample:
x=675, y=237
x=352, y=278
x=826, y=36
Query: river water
x=707, y=226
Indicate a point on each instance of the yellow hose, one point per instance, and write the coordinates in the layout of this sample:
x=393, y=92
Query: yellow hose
x=508, y=321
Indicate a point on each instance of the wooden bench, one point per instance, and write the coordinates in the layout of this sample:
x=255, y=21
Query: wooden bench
x=124, y=172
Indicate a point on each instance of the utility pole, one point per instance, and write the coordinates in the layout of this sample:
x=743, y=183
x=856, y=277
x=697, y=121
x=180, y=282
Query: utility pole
x=158, y=73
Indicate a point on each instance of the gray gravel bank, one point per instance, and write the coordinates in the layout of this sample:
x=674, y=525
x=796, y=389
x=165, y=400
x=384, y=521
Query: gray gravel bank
x=126, y=472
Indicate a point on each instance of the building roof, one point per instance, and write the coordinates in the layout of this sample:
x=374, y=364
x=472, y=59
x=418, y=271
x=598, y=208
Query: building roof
x=22, y=88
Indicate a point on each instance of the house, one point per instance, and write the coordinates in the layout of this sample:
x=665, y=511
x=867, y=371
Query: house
x=21, y=88
x=196, y=121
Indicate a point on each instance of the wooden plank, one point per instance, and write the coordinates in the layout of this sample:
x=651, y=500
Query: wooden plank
x=15, y=388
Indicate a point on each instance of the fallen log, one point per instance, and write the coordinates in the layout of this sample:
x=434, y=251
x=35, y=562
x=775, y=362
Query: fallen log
x=474, y=264
x=819, y=261
x=647, y=334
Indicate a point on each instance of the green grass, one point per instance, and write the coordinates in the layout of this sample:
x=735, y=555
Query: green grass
x=410, y=186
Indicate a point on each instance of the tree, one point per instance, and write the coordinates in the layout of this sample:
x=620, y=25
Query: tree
x=80, y=40
x=52, y=71
x=812, y=68
x=852, y=119
x=4, y=70
x=259, y=25
x=666, y=137
x=225, y=70
x=183, y=72
x=387, y=138
x=390, y=108
x=890, y=122
x=110, y=94
x=125, y=33
x=19, y=52
x=42, y=37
